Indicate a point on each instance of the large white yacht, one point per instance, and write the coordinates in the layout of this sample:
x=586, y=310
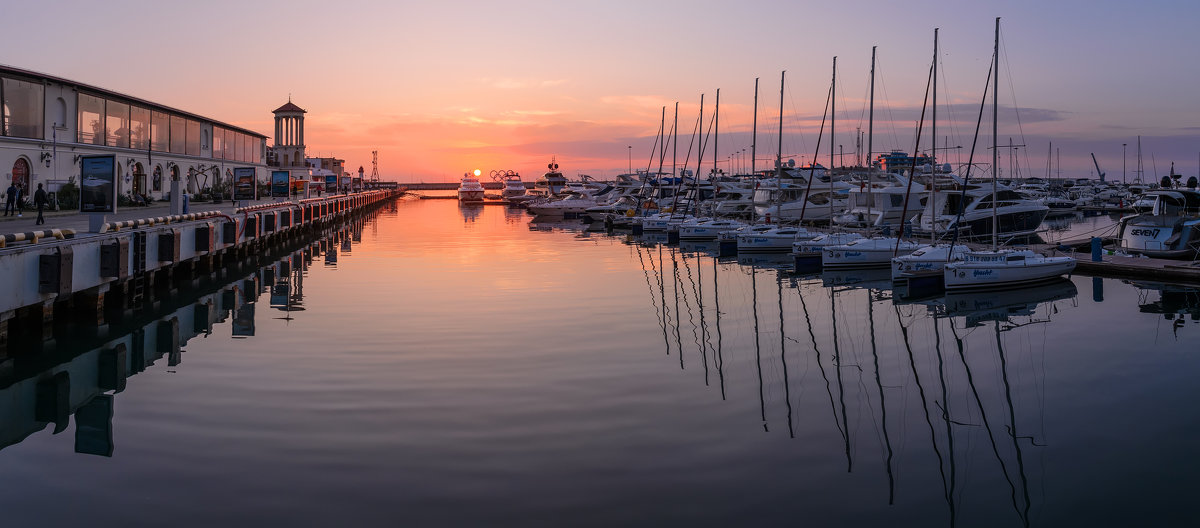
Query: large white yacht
x=469, y=189
x=970, y=213
x=1170, y=230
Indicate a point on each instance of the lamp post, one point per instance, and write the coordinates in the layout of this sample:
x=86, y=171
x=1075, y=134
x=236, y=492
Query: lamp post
x=1123, y=145
x=630, y=149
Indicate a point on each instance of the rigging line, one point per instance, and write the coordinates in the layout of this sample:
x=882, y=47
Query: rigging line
x=657, y=136
x=1012, y=420
x=837, y=356
x=970, y=160
x=887, y=103
x=1016, y=109
x=798, y=136
x=912, y=363
x=762, y=403
x=787, y=386
x=720, y=355
x=650, y=290
x=706, y=334
x=691, y=316
x=678, y=321
x=913, y=171
x=982, y=413
x=663, y=294
x=887, y=440
x=817, y=350
x=949, y=109
x=812, y=167
x=948, y=489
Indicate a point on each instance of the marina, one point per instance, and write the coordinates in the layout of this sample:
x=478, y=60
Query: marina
x=443, y=267
x=726, y=376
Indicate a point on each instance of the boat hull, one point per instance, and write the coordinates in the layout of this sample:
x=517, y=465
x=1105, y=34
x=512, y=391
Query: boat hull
x=970, y=275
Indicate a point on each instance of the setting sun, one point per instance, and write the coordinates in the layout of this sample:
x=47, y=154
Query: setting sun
x=478, y=172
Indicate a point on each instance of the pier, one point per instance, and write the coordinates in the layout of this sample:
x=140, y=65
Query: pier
x=63, y=273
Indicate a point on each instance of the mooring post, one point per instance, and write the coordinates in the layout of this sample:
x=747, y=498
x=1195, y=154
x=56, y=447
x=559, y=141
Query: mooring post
x=1096, y=249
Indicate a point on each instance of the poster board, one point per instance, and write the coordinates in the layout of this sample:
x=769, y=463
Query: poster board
x=98, y=184
x=280, y=184
x=244, y=186
x=331, y=184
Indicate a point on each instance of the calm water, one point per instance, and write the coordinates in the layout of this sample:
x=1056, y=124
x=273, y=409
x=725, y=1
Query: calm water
x=438, y=366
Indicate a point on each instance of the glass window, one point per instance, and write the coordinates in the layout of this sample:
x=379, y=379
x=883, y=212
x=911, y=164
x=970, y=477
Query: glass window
x=193, y=138
x=160, y=131
x=178, y=135
x=247, y=151
x=218, y=143
x=90, y=127
x=229, y=140
x=116, y=124
x=23, y=109
x=139, y=128
x=239, y=147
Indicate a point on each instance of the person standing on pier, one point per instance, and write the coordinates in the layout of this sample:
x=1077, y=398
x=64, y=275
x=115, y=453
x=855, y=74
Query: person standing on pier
x=11, y=194
x=39, y=200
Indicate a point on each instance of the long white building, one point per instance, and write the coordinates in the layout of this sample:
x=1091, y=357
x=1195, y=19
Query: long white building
x=47, y=123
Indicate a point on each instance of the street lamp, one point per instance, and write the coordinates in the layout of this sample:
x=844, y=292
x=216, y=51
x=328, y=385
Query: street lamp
x=630, y=148
x=1123, y=145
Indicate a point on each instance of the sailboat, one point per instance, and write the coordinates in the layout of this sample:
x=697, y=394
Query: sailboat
x=931, y=258
x=1002, y=267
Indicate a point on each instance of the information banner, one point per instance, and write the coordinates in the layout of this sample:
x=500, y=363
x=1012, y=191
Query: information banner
x=98, y=184
x=279, y=184
x=331, y=184
x=244, y=184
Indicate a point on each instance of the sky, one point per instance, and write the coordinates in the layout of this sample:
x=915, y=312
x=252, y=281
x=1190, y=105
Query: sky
x=440, y=88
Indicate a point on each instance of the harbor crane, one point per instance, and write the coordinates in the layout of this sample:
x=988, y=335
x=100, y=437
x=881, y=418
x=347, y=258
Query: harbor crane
x=1097, y=164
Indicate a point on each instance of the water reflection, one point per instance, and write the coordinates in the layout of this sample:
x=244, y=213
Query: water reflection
x=82, y=368
x=876, y=361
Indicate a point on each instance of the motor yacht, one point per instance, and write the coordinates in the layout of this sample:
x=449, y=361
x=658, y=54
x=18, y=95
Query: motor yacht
x=469, y=189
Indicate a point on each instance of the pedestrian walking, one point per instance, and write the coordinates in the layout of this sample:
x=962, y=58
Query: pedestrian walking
x=39, y=199
x=11, y=198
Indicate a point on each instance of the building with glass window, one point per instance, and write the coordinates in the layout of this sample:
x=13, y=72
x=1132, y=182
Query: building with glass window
x=47, y=123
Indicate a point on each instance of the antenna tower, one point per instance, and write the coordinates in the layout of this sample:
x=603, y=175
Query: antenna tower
x=374, y=165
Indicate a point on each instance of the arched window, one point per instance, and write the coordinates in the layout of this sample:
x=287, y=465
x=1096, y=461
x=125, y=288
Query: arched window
x=20, y=175
x=156, y=183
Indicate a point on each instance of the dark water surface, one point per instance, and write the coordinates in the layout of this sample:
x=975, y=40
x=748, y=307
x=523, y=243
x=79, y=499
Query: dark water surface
x=438, y=366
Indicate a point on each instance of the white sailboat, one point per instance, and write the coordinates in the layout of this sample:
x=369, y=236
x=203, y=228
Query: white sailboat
x=997, y=268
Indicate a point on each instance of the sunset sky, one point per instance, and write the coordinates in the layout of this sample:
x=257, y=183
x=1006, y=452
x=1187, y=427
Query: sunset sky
x=439, y=88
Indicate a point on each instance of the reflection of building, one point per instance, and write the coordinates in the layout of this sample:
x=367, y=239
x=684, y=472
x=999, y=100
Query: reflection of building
x=49, y=122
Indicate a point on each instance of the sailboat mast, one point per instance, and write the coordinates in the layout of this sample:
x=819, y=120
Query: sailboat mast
x=674, y=138
x=870, y=136
x=832, y=117
x=779, y=147
x=716, y=134
x=995, y=129
x=754, y=132
x=933, y=135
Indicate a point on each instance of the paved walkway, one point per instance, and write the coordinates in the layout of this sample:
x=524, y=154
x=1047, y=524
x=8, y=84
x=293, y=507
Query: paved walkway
x=73, y=219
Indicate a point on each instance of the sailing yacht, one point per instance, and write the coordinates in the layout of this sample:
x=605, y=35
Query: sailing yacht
x=997, y=268
x=874, y=252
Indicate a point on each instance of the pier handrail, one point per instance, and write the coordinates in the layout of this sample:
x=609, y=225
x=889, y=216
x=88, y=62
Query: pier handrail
x=33, y=237
x=138, y=222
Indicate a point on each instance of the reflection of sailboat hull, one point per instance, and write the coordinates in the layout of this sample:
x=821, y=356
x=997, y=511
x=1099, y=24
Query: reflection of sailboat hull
x=1001, y=304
